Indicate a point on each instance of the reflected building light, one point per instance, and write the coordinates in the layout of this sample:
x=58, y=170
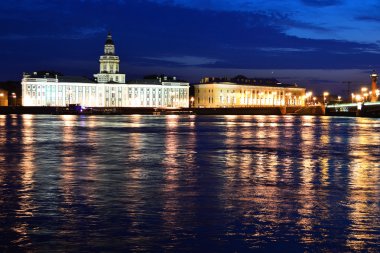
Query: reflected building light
x=363, y=192
x=171, y=175
x=172, y=121
x=27, y=206
x=261, y=124
x=69, y=120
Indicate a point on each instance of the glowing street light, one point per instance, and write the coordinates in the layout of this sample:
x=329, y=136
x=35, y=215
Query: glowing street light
x=365, y=96
x=192, y=102
x=325, y=95
x=308, y=97
x=14, y=96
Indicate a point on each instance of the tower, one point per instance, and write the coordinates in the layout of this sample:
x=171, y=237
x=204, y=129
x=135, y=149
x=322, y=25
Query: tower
x=109, y=64
x=374, y=87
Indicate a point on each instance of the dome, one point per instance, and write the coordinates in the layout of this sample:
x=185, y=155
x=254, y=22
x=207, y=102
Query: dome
x=109, y=40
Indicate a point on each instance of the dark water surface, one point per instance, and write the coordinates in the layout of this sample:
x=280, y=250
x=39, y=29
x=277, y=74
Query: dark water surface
x=189, y=183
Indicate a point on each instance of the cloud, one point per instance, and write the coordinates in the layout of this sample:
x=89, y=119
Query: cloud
x=368, y=18
x=185, y=60
x=322, y=3
x=313, y=19
x=286, y=49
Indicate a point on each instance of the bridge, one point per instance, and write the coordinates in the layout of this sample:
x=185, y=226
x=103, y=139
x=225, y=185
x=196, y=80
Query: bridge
x=366, y=109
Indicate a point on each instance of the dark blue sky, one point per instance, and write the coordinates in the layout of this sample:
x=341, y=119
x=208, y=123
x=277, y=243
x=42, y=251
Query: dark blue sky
x=316, y=43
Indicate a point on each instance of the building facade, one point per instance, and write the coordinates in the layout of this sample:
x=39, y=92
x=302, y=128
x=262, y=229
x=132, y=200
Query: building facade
x=3, y=97
x=109, y=88
x=109, y=65
x=246, y=92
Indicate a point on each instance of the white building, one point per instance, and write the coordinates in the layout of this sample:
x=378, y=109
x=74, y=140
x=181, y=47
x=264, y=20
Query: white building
x=241, y=91
x=109, y=64
x=109, y=88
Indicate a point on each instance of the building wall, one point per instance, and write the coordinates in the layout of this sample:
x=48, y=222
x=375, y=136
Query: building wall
x=234, y=95
x=50, y=92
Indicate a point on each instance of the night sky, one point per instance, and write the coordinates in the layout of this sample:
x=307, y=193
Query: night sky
x=318, y=44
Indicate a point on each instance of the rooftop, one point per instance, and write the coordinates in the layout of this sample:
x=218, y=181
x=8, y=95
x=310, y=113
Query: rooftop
x=243, y=80
x=156, y=80
x=61, y=78
x=109, y=40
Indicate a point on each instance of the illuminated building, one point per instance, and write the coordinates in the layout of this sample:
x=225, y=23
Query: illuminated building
x=374, y=92
x=109, y=64
x=241, y=91
x=3, y=98
x=109, y=88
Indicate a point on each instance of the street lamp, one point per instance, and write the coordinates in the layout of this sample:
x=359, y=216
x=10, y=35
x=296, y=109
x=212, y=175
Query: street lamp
x=364, y=90
x=365, y=96
x=315, y=100
x=352, y=97
x=310, y=95
x=14, y=96
x=191, y=102
x=325, y=95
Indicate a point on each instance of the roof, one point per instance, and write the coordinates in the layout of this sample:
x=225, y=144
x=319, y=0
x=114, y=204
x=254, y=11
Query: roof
x=74, y=79
x=44, y=74
x=242, y=80
x=109, y=40
x=145, y=81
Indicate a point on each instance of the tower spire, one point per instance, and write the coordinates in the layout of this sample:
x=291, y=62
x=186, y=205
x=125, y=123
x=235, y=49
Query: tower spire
x=109, y=64
x=374, y=77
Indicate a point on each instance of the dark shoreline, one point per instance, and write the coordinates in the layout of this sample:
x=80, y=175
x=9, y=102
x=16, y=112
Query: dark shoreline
x=159, y=111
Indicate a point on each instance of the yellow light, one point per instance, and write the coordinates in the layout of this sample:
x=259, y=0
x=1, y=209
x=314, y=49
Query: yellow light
x=358, y=97
x=1, y=94
x=326, y=93
x=364, y=89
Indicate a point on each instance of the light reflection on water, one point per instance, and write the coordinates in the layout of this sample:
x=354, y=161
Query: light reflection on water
x=189, y=183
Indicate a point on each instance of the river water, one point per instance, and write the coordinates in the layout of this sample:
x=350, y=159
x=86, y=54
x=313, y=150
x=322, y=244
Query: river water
x=189, y=184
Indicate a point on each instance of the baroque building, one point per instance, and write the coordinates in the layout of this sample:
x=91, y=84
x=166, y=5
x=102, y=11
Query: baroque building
x=241, y=91
x=109, y=64
x=108, y=89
